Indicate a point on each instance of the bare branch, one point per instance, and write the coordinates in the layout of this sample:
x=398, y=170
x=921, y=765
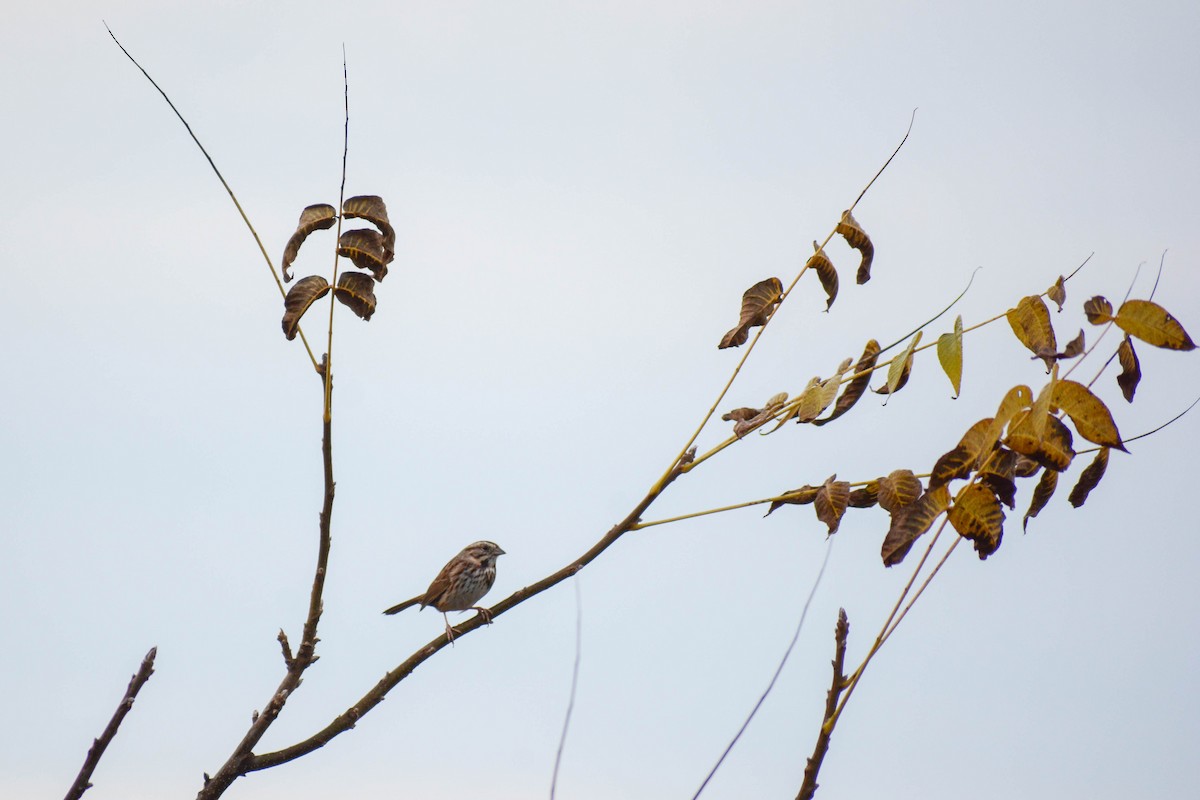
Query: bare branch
x=82, y=780
x=841, y=633
x=562, y=740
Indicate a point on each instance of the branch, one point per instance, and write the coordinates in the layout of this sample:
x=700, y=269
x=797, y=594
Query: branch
x=236, y=765
x=841, y=633
x=82, y=780
x=562, y=741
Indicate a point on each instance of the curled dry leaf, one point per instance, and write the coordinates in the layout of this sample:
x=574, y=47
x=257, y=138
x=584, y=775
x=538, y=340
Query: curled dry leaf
x=1052, y=449
x=1015, y=400
x=900, y=368
x=313, y=218
x=747, y=419
x=1058, y=292
x=1131, y=369
x=1091, y=417
x=965, y=457
x=865, y=497
x=857, y=238
x=796, y=497
x=356, y=290
x=1030, y=321
x=976, y=515
x=999, y=475
x=1153, y=324
x=1041, y=495
x=306, y=292
x=819, y=394
x=857, y=386
x=899, y=489
x=1025, y=467
x=1089, y=478
x=830, y=504
x=365, y=248
x=1098, y=310
x=758, y=303
x=911, y=522
x=371, y=208
x=825, y=271
x=950, y=355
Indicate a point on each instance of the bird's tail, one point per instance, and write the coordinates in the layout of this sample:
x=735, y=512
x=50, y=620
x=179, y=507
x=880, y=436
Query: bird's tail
x=396, y=609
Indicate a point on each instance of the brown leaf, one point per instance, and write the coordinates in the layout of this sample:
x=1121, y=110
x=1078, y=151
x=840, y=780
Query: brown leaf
x=740, y=414
x=865, y=497
x=796, y=497
x=857, y=238
x=898, y=489
x=832, y=498
x=900, y=368
x=312, y=218
x=1131, y=369
x=999, y=475
x=1074, y=347
x=758, y=303
x=911, y=523
x=306, y=292
x=1058, y=292
x=1153, y=324
x=1025, y=467
x=965, y=457
x=1030, y=321
x=825, y=271
x=976, y=515
x=747, y=419
x=356, y=290
x=855, y=389
x=1098, y=310
x=1017, y=398
x=365, y=248
x=819, y=394
x=1089, y=478
x=1041, y=495
x=371, y=208
x=1091, y=417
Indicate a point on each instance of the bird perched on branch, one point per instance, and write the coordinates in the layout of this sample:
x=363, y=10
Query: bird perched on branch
x=461, y=584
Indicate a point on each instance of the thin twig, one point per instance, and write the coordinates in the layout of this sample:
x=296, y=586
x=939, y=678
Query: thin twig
x=221, y=178
x=328, y=362
x=82, y=780
x=783, y=661
x=911, y=120
x=562, y=739
x=841, y=633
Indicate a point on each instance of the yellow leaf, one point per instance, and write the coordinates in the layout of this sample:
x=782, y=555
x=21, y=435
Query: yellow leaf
x=1017, y=398
x=1151, y=323
x=1131, y=369
x=1091, y=417
x=1058, y=292
x=976, y=515
x=1030, y=321
x=950, y=356
x=959, y=462
x=901, y=365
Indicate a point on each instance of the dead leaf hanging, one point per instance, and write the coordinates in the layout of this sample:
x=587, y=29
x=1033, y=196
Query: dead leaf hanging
x=899, y=489
x=819, y=394
x=965, y=457
x=825, y=271
x=758, y=303
x=313, y=218
x=1058, y=292
x=1030, y=321
x=1015, y=399
x=371, y=208
x=796, y=497
x=1041, y=495
x=1098, y=310
x=830, y=504
x=1091, y=417
x=1052, y=449
x=858, y=385
x=306, y=292
x=900, y=368
x=364, y=247
x=1153, y=324
x=857, y=238
x=1089, y=478
x=356, y=290
x=865, y=497
x=999, y=474
x=950, y=355
x=1131, y=369
x=977, y=515
x=911, y=523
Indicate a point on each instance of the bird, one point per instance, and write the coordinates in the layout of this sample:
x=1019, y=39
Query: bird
x=461, y=584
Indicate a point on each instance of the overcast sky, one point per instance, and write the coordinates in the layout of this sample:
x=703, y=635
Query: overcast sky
x=582, y=192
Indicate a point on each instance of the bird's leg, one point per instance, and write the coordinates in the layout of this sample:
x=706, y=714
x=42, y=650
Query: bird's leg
x=449, y=630
x=485, y=613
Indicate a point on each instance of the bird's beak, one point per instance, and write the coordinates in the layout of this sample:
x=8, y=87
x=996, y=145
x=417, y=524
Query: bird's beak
x=499, y=552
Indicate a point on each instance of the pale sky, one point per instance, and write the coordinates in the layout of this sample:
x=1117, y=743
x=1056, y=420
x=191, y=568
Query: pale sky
x=582, y=192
